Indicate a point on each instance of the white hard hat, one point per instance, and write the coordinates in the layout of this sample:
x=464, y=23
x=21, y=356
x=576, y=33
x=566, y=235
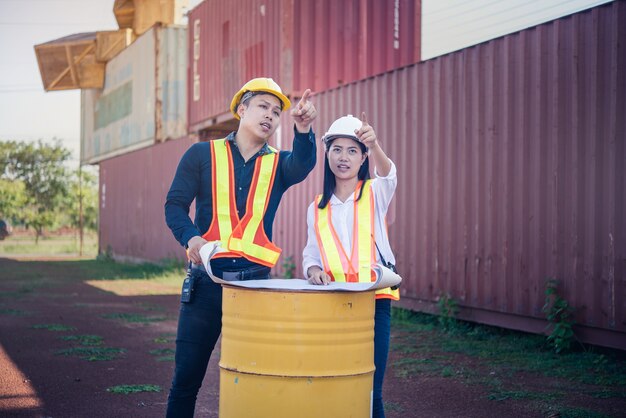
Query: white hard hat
x=343, y=127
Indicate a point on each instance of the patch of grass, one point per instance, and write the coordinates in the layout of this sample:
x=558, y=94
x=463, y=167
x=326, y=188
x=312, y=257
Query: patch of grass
x=165, y=272
x=584, y=367
x=93, y=353
x=393, y=407
x=151, y=307
x=404, y=348
x=410, y=321
x=49, y=245
x=579, y=413
x=83, y=305
x=134, y=318
x=127, y=389
x=447, y=371
x=496, y=359
x=165, y=338
x=162, y=351
x=607, y=394
x=165, y=354
x=88, y=340
x=13, y=312
x=512, y=351
x=54, y=327
x=504, y=395
x=407, y=367
x=26, y=275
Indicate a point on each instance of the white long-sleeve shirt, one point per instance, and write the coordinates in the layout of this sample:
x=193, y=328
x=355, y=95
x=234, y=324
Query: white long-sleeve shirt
x=343, y=221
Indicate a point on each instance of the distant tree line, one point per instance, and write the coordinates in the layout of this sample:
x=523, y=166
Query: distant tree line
x=38, y=190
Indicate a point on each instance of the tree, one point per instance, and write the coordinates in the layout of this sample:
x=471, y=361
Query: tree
x=12, y=200
x=40, y=167
x=71, y=204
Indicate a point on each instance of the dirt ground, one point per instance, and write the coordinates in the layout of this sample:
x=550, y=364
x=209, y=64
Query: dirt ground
x=37, y=381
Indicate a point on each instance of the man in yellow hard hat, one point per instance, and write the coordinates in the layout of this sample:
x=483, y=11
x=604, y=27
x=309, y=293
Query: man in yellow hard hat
x=237, y=183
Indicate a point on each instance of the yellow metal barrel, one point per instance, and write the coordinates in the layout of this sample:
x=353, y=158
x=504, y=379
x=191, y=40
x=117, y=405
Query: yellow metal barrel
x=296, y=354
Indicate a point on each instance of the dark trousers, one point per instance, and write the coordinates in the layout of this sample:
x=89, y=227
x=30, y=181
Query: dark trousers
x=382, y=329
x=199, y=327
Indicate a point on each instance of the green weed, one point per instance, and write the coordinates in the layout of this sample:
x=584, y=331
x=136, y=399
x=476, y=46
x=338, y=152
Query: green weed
x=560, y=316
x=448, y=310
x=88, y=340
x=579, y=413
x=13, y=312
x=134, y=318
x=165, y=338
x=93, y=353
x=165, y=354
x=54, y=327
x=503, y=395
x=447, y=372
x=162, y=351
x=127, y=389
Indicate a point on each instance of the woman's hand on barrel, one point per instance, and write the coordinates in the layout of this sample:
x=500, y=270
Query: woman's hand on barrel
x=317, y=276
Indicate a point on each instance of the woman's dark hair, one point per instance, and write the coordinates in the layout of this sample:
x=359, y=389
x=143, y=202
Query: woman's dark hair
x=329, y=176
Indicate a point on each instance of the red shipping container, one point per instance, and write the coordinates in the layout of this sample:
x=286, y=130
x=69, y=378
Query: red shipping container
x=510, y=158
x=301, y=44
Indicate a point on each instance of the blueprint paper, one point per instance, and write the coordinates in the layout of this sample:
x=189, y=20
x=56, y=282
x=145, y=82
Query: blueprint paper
x=385, y=278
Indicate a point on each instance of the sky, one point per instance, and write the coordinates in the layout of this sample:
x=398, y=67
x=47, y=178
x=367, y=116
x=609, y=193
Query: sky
x=28, y=113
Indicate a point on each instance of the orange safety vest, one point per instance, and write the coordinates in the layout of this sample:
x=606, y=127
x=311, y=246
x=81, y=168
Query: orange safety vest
x=241, y=237
x=358, y=266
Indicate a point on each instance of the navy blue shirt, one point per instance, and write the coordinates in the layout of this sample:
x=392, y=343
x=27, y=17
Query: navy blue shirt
x=193, y=181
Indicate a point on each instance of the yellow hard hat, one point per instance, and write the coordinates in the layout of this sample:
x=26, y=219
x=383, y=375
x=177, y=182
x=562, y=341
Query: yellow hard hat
x=259, y=84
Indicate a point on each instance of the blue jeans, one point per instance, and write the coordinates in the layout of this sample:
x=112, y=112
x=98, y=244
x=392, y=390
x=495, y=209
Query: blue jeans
x=199, y=327
x=382, y=329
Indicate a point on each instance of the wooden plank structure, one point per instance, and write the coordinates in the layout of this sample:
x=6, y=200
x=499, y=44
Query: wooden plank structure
x=111, y=43
x=140, y=15
x=70, y=63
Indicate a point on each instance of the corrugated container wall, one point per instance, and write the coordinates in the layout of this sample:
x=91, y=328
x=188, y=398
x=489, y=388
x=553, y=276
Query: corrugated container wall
x=511, y=163
x=133, y=187
x=301, y=44
x=144, y=97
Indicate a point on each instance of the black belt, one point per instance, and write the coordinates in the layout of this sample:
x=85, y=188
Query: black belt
x=252, y=273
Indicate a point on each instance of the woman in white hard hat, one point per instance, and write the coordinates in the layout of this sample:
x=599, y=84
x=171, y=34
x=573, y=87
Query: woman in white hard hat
x=346, y=224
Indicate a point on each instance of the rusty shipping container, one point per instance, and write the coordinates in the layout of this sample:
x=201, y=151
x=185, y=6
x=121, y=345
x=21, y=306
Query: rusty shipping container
x=301, y=44
x=511, y=161
x=144, y=97
x=133, y=187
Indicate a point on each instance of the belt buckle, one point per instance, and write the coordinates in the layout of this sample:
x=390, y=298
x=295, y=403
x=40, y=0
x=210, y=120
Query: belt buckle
x=232, y=276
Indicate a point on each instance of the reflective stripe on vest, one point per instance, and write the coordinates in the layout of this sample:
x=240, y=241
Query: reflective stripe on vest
x=246, y=237
x=357, y=267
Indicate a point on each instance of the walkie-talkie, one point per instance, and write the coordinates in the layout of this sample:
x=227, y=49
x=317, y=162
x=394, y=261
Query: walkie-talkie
x=185, y=295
